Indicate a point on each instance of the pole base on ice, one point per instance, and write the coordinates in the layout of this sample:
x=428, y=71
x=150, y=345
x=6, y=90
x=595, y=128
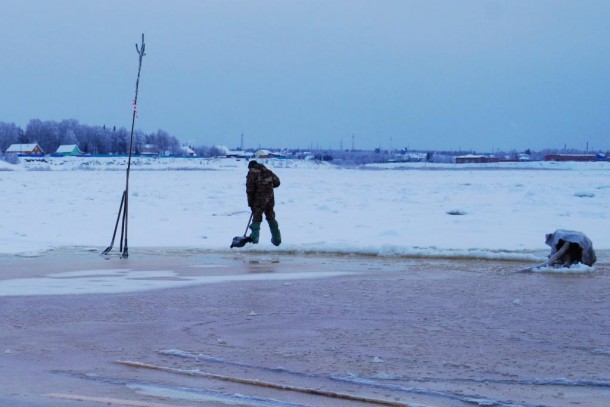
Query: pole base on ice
x=121, y=215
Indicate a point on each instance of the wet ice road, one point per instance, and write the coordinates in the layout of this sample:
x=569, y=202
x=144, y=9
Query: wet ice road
x=432, y=332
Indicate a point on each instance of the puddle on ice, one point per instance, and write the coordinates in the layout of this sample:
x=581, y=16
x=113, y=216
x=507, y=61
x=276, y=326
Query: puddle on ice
x=207, y=396
x=125, y=280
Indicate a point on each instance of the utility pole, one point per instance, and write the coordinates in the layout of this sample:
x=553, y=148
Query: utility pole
x=241, y=144
x=123, y=214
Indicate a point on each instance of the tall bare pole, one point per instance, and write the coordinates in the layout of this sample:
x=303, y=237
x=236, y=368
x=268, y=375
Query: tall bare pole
x=124, y=207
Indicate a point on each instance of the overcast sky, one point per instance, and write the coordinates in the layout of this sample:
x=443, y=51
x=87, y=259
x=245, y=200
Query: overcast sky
x=422, y=74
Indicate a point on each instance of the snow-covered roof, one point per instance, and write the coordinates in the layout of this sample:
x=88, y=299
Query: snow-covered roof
x=232, y=153
x=18, y=148
x=471, y=156
x=262, y=153
x=224, y=149
x=66, y=148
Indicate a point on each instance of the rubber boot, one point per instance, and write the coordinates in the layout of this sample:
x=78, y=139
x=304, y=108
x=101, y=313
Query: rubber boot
x=276, y=237
x=256, y=228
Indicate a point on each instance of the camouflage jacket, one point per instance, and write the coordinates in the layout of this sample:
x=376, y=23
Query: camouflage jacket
x=260, y=182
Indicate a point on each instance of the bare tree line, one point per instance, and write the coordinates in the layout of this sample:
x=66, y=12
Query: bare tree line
x=49, y=135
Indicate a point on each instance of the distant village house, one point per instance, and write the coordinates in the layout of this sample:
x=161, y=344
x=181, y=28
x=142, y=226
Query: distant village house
x=474, y=159
x=228, y=153
x=268, y=154
x=25, y=149
x=68, y=150
x=188, y=152
x=573, y=157
x=484, y=159
x=149, y=150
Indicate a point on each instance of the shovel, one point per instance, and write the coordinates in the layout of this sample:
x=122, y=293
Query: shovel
x=240, y=241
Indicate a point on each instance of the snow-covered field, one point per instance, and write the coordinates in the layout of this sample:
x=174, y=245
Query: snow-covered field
x=500, y=211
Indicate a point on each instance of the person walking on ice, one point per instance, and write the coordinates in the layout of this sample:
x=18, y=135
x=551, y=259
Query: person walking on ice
x=260, y=183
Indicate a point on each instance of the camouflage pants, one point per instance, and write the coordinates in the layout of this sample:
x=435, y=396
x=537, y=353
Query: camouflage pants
x=265, y=207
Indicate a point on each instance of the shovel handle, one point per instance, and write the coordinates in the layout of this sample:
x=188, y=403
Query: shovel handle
x=248, y=225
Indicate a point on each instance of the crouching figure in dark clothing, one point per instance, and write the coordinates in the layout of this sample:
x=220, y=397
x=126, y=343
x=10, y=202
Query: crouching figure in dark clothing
x=260, y=183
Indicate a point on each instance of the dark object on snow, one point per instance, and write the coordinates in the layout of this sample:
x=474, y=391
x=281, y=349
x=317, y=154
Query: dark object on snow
x=456, y=212
x=569, y=247
x=240, y=241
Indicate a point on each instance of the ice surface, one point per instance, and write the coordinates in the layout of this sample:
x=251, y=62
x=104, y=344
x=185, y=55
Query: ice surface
x=380, y=210
x=125, y=280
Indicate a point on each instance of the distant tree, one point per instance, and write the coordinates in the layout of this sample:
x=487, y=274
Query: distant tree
x=174, y=146
x=83, y=140
x=46, y=134
x=33, y=131
x=99, y=140
x=214, y=152
x=50, y=136
x=69, y=137
x=90, y=139
x=67, y=131
x=139, y=139
x=9, y=134
x=162, y=140
x=119, y=141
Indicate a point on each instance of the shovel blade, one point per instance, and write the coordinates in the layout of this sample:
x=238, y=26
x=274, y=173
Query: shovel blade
x=240, y=241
